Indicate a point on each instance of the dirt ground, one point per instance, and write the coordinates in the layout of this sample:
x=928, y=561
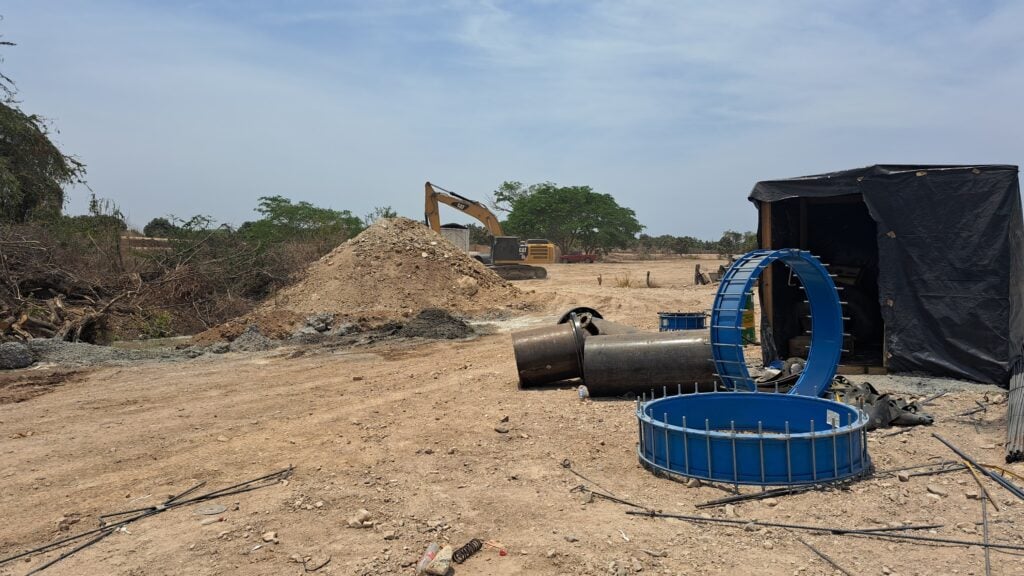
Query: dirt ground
x=407, y=431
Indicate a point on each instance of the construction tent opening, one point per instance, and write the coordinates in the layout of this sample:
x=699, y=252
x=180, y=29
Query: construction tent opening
x=930, y=259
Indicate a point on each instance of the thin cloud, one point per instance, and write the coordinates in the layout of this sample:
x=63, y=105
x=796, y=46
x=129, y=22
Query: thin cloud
x=672, y=107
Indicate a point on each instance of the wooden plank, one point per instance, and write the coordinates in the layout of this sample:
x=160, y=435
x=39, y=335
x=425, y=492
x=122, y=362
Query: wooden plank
x=765, y=214
x=851, y=369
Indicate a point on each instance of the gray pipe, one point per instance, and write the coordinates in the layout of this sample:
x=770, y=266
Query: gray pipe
x=618, y=364
x=550, y=354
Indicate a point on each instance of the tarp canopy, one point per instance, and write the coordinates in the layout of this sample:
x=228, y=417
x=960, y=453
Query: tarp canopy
x=950, y=261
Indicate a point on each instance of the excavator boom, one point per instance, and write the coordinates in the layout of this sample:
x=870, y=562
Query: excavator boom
x=436, y=194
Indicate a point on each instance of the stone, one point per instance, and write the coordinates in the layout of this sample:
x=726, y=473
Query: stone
x=270, y=536
x=468, y=285
x=501, y=429
x=14, y=355
x=571, y=538
x=937, y=490
x=390, y=535
x=770, y=502
x=361, y=519
x=693, y=483
x=730, y=511
x=903, y=477
x=550, y=553
x=251, y=340
x=750, y=527
x=637, y=565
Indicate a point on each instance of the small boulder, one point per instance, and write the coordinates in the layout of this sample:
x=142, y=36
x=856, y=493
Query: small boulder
x=14, y=355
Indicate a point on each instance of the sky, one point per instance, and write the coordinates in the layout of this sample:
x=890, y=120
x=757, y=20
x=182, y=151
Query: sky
x=675, y=108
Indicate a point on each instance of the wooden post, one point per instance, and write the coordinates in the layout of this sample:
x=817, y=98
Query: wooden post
x=765, y=213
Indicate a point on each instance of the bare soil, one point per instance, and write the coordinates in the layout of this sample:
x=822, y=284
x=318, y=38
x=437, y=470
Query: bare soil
x=408, y=430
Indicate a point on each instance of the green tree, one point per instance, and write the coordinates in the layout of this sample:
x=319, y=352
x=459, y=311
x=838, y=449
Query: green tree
x=479, y=235
x=510, y=191
x=284, y=220
x=573, y=217
x=378, y=213
x=33, y=171
x=159, y=228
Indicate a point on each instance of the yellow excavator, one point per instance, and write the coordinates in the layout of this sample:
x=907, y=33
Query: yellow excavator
x=510, y=258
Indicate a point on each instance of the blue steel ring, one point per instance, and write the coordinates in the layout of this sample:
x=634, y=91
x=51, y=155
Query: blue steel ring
x=753, y=438
x=826, y=318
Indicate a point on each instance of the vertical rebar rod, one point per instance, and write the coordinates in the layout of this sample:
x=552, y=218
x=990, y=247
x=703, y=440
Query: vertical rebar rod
x=760, y=441
x=984, y=537
x=814, y=456
x=668, y=464
x=835, y=455
x=789, y=460
x=735, y=470
x=686, y=446
x=849, y=439
x=707, y=435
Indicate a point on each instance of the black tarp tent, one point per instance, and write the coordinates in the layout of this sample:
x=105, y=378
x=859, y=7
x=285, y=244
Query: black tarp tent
x=938, y=255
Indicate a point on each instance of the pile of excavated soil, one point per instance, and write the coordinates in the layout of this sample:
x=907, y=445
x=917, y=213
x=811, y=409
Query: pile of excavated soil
x=393, y=270
x=437, y=324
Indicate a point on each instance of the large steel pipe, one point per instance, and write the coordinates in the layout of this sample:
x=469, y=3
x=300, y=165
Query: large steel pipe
x=601, y=327
x=635, y=363
x=549, y=354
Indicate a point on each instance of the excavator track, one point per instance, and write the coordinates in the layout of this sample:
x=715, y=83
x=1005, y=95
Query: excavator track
x=519, y=271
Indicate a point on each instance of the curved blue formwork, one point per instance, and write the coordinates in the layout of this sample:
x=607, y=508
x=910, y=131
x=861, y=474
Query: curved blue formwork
x=753, y=438
x=826, y=317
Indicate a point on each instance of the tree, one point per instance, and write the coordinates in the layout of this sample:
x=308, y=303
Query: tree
x=284, y=220
x=159, y=228
x=502, y=199
x=33, y=171
x=573, y=217
x=378, y=213
x=479, y=235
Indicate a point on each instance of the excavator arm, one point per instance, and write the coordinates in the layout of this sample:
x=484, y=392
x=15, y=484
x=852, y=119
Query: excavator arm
x=436, y=194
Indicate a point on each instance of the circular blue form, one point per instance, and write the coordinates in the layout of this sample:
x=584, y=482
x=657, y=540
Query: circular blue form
x=737, y=285
x=753, y=438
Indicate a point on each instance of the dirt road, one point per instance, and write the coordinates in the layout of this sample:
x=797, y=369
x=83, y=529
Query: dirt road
x=409, y=431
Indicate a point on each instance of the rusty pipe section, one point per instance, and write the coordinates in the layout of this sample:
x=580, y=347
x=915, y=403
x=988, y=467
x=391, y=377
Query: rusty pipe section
x=619, y=364
x=551, y=353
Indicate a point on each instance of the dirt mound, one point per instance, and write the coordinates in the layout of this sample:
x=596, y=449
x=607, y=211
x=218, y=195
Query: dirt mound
x=391, y=271
x=275, y=324
x=437, y=324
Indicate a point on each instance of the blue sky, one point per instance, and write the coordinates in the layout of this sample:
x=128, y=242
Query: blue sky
x=674, y=108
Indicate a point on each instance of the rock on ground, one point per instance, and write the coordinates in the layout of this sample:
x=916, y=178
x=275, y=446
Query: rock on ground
x=15, y=355
x=251, y=340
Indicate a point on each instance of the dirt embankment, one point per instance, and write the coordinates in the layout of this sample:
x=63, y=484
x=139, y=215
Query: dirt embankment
x=392, y=271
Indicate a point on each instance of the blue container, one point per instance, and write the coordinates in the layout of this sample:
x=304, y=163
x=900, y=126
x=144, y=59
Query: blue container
x=670, y=321
x=756, y=438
